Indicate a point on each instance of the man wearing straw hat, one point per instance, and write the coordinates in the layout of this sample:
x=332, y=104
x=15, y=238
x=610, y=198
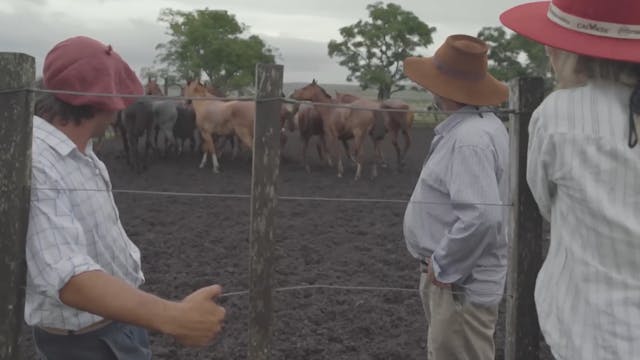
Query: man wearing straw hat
x=583, y=169
x=83, y=271
x=455, y=221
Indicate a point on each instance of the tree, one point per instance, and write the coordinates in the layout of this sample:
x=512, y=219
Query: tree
x=514, y=56
x=212, y=42
x=373, y=51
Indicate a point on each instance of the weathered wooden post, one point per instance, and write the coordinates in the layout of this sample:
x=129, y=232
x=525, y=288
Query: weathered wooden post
x=525, y=229
x=16, y=111
x=266, y=163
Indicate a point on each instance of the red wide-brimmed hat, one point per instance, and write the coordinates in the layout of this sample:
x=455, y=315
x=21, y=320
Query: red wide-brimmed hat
x=607, y=29
x=458, y=71
x=86, y=65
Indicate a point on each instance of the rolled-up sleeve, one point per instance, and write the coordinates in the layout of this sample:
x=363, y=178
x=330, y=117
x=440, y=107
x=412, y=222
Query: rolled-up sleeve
x=475, y=196
x=56, y=247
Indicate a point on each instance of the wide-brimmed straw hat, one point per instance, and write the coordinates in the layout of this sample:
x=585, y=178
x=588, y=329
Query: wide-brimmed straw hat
x=458, y=71
x=607, y=29
x=83, y=64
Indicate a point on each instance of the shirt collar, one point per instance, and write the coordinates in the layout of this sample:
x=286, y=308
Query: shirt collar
x=55, y=138
x=458, y=117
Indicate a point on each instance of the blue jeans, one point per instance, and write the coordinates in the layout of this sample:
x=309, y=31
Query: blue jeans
x=116, y=341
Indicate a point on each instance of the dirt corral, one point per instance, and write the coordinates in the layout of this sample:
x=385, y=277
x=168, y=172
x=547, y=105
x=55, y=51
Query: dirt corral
x=190, y=242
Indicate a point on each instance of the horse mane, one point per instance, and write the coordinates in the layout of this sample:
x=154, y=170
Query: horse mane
x=324, y=91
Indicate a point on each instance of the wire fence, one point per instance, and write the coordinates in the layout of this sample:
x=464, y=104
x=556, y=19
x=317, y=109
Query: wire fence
x=284, y=197
x=279, y=197
x=501, y=111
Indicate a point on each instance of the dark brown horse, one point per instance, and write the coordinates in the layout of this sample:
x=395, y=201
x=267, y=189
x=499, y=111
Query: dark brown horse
x=396, y=121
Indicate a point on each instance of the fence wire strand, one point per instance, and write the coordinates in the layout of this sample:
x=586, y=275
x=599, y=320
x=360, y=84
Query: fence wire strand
x=264, y=100
x=357, y=288
x=282, y=197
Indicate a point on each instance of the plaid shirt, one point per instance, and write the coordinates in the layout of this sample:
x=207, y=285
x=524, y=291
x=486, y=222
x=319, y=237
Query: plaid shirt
x=74, y=227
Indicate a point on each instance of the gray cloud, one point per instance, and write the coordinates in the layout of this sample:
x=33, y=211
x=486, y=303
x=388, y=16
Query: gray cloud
x=300, y=30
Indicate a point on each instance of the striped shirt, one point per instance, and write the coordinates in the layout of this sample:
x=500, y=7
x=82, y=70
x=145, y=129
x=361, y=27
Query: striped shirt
x=586, y=181
x=463, y=227
x=74, y=227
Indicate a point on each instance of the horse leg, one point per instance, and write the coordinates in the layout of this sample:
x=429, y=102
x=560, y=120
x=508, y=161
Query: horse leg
x=147, y=145
x=207, y=142
x=407, y=144
x=305, y=145
x=358, y=153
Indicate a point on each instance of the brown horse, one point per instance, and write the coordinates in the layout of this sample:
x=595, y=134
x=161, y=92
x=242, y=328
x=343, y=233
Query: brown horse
x=395, y=122
x=344, y=123
x=308, y=122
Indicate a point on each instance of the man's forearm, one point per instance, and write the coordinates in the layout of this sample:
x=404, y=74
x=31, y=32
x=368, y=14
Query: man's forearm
x=102, y=294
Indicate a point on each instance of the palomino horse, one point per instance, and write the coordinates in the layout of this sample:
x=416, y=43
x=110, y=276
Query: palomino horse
x=344, y=123
x=395, y=122
x=217, y=117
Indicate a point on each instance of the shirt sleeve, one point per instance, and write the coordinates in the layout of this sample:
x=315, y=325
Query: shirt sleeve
x=474, y=191
x=541, y=152
x=56, y=246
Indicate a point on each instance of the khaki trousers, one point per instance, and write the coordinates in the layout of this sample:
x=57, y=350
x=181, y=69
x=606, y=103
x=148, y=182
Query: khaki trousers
x=458, y=330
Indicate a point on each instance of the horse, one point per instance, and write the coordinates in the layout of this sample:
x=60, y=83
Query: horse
x=308, y=121
x=132, y=123
x=344, y=123
x=395, y=122
x=217, y=117
x=165, y=115
x=185, y=127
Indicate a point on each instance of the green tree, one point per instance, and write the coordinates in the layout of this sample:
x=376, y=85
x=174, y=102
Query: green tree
x=513, y=56
x=212, y=42
x=373, y=50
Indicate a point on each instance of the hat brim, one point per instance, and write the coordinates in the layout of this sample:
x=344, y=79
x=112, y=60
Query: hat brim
x=531, y=21
x=485, y=92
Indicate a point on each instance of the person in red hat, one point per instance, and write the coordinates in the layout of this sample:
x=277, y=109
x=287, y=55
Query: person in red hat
x=583, y=169
x=455, y=221
x=83, y=271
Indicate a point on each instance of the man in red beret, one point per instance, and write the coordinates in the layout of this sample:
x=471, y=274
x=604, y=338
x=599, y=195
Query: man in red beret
x=83, y=271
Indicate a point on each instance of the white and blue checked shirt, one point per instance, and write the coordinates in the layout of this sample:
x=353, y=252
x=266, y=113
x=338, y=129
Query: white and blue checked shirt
x=74, y=227
x=458, y=213
x=586, y=181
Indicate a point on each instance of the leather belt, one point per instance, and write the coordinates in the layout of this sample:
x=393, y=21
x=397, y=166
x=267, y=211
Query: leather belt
x=93, y=327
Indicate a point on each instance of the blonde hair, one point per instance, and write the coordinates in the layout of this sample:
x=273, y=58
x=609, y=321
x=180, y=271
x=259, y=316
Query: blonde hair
x=574, y=70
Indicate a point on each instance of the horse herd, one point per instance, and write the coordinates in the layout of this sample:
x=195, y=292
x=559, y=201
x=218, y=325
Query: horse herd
x=219, y=121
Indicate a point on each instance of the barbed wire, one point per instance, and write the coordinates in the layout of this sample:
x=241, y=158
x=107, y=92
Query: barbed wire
x=283, y=197
x=358, y=288
x=263, y=100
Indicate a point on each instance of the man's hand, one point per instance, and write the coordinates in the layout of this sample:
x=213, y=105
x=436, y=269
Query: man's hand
x=199, y=319
x=432, y=277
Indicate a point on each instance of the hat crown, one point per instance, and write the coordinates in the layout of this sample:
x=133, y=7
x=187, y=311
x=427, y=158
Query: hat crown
x=462, y=57
x=613, y=11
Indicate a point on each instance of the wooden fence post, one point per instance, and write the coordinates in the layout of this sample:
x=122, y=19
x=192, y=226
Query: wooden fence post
x=525, y=229
x=16, y=112
x=266, y=163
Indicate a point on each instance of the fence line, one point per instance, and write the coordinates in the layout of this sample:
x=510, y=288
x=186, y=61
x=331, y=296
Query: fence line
x=284, y=198
x=358, y=288
x=270, y=99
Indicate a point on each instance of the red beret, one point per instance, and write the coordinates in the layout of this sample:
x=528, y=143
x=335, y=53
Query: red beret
x=87, y=65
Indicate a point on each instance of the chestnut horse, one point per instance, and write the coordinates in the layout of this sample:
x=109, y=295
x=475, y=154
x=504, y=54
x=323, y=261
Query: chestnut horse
x=395, y=122
x=345, y=123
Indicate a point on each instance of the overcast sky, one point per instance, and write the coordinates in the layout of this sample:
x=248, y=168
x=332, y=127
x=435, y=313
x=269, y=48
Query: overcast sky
x=299, y=29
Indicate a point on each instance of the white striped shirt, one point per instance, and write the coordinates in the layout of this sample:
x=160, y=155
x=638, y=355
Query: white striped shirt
x=586, y=181
x=458, y=210
x=74, y=227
